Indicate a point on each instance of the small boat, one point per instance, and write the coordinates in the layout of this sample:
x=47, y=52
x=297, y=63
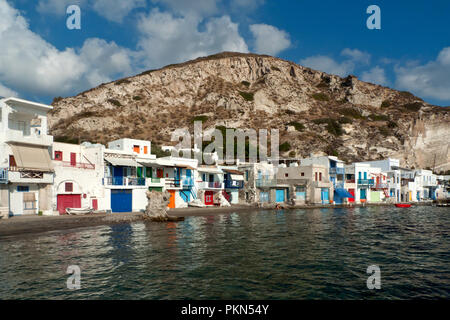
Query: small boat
x=402, y=205
x=79, y=211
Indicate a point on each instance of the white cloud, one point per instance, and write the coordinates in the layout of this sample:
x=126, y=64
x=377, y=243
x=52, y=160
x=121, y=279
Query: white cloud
x=269, y=40
x=200, y=8
x=328, y=65
x=167, y=39
x=7, y=92
x=429, y=80
x=356, y=55
x=247, y=5
x=113, y=10
x=375, y=75
x=57, y=7
x=116, y=10
x=30, y=64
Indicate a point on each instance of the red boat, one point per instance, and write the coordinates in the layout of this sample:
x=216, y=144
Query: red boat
x=402, y=205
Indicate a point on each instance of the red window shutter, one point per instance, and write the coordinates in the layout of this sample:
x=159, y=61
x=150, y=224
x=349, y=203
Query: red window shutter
x=58, y=155
x=69, y=187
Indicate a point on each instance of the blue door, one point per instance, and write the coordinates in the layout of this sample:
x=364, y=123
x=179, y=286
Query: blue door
x=121, y=200
x=280, y=195
x=118, y=176
x=325, y=195
x=362, y=194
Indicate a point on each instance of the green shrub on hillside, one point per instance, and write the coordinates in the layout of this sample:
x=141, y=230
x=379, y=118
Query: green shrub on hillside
x=137, y=98
x=385, y=104
x=298, y=126
x=122, y=81
x=321, y=97
x=351, y=112
x=344, y=120
x=379, y=117
x=333, y=127
x=115, y=102
x=245, y=83
x=199, y=118
x=248, y=96
x=415, y=106
x=284, y=147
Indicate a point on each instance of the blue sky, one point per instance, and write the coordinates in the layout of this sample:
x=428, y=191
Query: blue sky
x=41, y=58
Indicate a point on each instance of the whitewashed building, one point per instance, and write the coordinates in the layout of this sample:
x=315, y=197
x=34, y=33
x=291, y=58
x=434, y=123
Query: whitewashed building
x=78, y=177
x=26, y=171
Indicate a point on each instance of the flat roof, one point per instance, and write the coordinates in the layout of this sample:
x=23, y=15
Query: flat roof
x=28, y=103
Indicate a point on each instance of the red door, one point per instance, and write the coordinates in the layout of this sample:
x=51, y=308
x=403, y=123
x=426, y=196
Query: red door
x=68, y=201
x=209, y=195
x=95, y=204
x=352, y=192
x=73, y=159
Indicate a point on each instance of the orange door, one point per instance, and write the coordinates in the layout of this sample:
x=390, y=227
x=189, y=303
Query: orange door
x=172, y=199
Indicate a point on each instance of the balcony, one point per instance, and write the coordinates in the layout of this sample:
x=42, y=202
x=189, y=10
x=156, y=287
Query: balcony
x=366, y=182
x=381, y=186
x=33, y=138
x=156, y=182
x=336, y=170
x=234, y=184
x=265, y=183
x=15, y=176
x=123, y=181
x=3, y=175
x=172, y=183
x=78, y=165
x=187, y=182
x=211, y=185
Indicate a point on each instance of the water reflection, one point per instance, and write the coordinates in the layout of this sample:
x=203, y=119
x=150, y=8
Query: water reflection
x=285, y=254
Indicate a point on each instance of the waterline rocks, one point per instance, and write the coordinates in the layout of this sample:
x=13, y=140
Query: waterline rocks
x=156, y=209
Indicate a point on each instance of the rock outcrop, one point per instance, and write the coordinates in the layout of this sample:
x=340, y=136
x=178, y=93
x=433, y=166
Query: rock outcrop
x=157, y=205
x=342, y=116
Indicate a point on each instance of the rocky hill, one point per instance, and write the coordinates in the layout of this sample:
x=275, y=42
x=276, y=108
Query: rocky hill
x=315, y=112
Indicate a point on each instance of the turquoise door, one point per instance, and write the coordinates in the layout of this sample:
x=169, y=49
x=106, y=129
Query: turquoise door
x=363, y=194
x=279, y=195
x=325, y=195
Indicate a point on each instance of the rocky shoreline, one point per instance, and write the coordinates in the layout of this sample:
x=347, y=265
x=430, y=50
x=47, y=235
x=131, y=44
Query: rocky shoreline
x=28, y=225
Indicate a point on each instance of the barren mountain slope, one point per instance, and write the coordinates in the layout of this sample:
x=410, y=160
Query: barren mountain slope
x=315, y=112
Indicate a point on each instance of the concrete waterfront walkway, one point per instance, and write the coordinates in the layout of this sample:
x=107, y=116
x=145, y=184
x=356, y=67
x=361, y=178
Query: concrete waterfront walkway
x=25, y=225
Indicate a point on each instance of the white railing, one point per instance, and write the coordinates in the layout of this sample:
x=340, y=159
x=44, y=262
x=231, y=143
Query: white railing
x=211, y=185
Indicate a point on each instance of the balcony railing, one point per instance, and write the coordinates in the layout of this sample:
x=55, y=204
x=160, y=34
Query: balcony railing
x=350, y=181
x=188, y=182
x=173, y=183
x=78, y=165
x=366, y=182
x=123, y=181
x=211, y=185
x=336, y=170
x=381, y=186
x=3, y=175
x=234, y=184
x=260, y=183
x=339, y=185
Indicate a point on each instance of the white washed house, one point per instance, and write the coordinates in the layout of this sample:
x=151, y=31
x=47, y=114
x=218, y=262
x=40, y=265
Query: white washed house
x=26, y=171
